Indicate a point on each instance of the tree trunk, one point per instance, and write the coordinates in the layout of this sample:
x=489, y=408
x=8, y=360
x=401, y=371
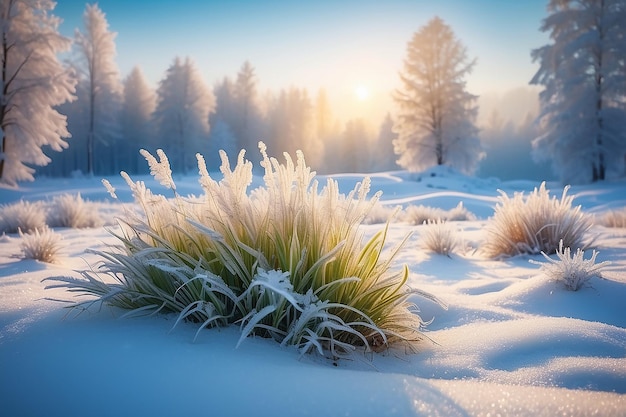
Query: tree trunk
x=599, y=164
x=2, y=155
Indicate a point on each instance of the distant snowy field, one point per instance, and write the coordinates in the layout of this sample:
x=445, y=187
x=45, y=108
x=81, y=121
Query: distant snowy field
x=512, y=341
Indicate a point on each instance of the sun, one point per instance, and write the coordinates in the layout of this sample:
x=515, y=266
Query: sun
x=361, y=92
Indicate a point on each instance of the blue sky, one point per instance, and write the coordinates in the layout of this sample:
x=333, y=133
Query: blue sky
x=337, y=45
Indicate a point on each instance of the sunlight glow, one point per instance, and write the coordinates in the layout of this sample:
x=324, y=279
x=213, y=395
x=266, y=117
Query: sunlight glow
x=362, y=92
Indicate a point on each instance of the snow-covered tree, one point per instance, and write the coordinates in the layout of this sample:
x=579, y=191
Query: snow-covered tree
x=135, y=121
x=436, y=115
x=291, y=125
x=247, y=115
x=100, y=87
x=181, y=118
x=383, y=157
x=33, y=83
x=356, y=144
x=583, y=104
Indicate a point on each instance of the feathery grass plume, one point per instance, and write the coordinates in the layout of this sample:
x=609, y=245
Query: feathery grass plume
x=612, y=218
x=284, y=261
x=41, y=244
x=72, y=211
x=535, y=223
x=160, y=170
x=440, y=237
x=573, y=271
x=22, y=215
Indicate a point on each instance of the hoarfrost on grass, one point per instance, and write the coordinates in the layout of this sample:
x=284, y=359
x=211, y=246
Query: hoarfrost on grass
x=22, y=215
x=573, y=271
x=535, y=223
x=233, y=256
x=41, y=244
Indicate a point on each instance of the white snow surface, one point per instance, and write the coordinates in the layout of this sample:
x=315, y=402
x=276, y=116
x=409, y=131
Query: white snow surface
x=511, y=343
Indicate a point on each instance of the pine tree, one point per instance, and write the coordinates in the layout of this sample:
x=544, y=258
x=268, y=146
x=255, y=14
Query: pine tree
x=184, y=103
x=100, y=87
x=33, y=83
x=583, y=104
x=436, y=119
x=139, y=104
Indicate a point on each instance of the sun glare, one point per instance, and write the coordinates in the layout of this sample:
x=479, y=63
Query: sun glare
x=361, y=92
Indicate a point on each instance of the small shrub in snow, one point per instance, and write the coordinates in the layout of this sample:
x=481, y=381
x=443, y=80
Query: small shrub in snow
x=459, y=213
x=573, y=271
x=439, y=237
x=41, y=244
x=535, y=223
x=23, y=215
x=613, y=218
x=284, y=261
x=380, y=213
x=72, y=211
x=418, y=215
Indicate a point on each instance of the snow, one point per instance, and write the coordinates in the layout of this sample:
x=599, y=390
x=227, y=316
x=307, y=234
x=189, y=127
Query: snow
x=512, y=342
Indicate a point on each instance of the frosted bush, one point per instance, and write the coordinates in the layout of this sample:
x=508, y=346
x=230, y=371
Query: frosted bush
x=459, y=213
x=41, y=244
x=417, y=215
x=420, y=214
x=613, y=218
x=573, y=271
x=23, y=215
x=72, y=211
x=535, y=223
x=285, y=261
x=380, y=213
x=439, y=237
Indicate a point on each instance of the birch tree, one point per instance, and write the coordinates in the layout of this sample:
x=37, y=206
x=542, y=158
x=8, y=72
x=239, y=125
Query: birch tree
x=436, y=116
x=33, y=83
x=583, y=103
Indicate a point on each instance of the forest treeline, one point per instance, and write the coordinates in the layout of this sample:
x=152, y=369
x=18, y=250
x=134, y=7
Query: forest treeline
x=79, y=117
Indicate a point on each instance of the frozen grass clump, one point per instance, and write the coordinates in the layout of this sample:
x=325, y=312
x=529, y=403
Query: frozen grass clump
x=535, y=223
x=380, y=213
x=613, y=218
x=41, y=244
x=285, y=261
x=22, y=215
x=439, y=237
x=72, y=211
x=573, y=271
x=420, y=214
x=459, y=213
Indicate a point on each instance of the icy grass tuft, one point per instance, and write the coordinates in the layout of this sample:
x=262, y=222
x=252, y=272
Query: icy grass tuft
x=535, y=223
x=63, y=211
x=41, y=244
x=72, y=211
x=285, y=261
x=612, y=218
x=439, y=237
x=420, y=214
x=23, y=215
x=573, y=271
